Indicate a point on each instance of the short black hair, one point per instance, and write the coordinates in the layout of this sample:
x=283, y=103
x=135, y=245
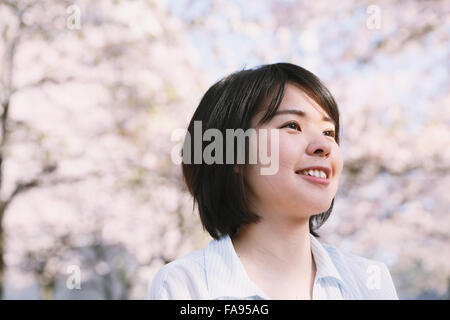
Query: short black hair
x=231, y=103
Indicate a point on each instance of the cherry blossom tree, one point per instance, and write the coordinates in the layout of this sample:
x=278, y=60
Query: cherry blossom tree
x=89, y=104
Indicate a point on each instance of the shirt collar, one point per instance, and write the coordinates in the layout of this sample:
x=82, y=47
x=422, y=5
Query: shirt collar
x=324, y=264
x=226, y=276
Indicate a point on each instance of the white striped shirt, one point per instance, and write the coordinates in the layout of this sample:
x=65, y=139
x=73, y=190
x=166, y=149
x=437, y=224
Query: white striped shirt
x=216, y=272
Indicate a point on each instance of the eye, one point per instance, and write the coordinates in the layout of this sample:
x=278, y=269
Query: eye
x=293, y=125
x=332, y=133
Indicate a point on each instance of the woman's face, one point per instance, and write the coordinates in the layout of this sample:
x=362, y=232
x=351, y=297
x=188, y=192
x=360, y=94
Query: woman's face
x=304, y=142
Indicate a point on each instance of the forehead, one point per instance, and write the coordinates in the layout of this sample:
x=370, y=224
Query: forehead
x=296, y=98
x=295, y=102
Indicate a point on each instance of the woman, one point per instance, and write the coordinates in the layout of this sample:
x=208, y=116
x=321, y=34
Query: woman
x=264, y=225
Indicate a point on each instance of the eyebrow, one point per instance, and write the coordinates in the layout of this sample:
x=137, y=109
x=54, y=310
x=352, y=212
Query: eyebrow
x=302, y=114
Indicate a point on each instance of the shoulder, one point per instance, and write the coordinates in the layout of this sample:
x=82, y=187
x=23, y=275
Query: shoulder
x=365, y=278
x=183, y=278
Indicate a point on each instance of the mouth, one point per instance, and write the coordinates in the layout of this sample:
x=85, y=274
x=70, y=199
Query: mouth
x=318, y=175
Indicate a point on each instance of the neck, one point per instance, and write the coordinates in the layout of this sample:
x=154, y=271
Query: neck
x=280, y=248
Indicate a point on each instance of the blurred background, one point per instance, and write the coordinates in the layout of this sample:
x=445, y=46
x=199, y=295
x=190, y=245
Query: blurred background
x=91, y=204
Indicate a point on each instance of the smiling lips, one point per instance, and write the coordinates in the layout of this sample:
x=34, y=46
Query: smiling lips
x=315, y=179
x=316, y=175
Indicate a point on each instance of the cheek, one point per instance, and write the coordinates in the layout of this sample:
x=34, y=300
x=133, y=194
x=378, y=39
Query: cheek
x=283, y=150
x=291, y=150
x=268, y=142
x=278, y=144
x=286, y=152
x=339, y=160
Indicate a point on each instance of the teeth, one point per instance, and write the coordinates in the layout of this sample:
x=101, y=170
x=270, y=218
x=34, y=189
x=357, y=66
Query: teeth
x=315, y=173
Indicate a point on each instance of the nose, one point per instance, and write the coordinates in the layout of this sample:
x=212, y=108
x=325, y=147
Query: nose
x=319, y=146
